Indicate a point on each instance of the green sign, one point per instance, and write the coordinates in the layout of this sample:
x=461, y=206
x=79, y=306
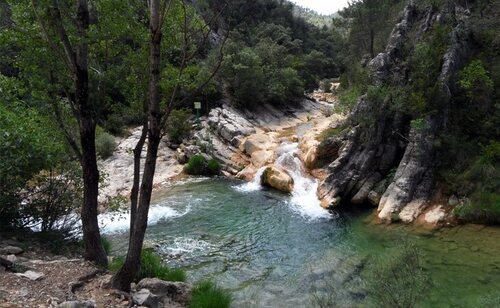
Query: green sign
x=197, y=105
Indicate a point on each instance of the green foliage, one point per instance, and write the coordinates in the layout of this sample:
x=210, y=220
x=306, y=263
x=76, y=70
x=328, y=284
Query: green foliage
x=28, y=146
x=206, y=294
x=214, y=167
x=105, y=144
x=151, y=267
x=331, y=132
x=398, y=279
x=348, y=98
x=179, y=125
x=198, y=165
x=475, y=81
x=483, y=208
x=106, y=244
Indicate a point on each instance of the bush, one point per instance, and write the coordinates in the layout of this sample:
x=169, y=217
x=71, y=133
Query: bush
x=198, y=165
x=28, y=146
x=178, y=125
x=51, y=200
x=105, y=144
x=475, y=81
x=151, y=267
x=207, y=295
x=214, y=167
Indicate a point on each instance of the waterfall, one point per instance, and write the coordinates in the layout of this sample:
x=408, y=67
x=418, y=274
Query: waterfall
x=304, y=200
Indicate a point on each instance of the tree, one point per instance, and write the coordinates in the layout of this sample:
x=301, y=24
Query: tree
x=75, y=57
x=155, y=123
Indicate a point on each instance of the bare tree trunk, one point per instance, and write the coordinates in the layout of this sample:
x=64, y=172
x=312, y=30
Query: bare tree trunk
x=94, y=250
x=131, y=267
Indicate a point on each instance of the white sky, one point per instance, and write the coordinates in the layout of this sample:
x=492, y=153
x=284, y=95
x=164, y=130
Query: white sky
x=325, y=7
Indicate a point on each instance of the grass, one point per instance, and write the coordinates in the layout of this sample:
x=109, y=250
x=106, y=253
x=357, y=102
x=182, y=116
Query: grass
x=330, y=132
x=106, y=244
x=207, y=295
x=151, y=267
x=483, y=208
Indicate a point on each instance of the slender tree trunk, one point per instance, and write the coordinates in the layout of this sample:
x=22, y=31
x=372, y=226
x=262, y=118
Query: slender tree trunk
x=131, y=267
x=372, y=43
x=94, y=250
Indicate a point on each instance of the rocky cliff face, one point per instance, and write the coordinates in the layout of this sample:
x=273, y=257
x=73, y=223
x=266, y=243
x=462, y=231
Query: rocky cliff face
x=388, y=161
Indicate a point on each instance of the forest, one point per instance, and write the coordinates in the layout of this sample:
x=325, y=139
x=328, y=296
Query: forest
x=413, y=129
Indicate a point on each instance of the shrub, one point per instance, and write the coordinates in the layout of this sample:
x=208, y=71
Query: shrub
x=178, y=125
x=475, y=81
x=214, y=167
x=51, y=200
x=151, y=267
x=197, y=165
x=207, y=295
x=105, y=144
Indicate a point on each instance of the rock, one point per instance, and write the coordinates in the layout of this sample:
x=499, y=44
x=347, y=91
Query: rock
x=453, y=201
x=435, y=215
x=11, y=250
x=257, y=142
x=262, y=158
x=78, y=304
x=166, y=291
x=278, y=179
x=374, y=197
x=191, y=151
x=228, y=123
x=181, y=156
x=144, y=297
x=11, y=258
x=32, y=275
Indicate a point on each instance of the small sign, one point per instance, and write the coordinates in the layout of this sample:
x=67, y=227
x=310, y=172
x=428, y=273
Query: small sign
x=197, y=105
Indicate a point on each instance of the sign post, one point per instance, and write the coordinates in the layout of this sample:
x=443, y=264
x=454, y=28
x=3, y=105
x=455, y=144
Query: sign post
x=197, y=106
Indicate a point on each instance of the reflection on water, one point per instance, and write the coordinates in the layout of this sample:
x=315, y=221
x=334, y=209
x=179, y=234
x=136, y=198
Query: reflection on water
x=268, y=254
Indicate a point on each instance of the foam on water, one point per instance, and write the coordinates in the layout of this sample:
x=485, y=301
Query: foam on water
x=120, y=222
x=185, y=245
x=304, y=200
x=253, y=185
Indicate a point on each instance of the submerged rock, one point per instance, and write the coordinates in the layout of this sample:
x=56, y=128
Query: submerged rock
x=277, y=178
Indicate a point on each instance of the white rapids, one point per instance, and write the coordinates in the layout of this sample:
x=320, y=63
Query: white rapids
x=304, y=200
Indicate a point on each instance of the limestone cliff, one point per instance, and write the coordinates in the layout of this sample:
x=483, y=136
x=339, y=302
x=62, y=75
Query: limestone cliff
x=385, y=158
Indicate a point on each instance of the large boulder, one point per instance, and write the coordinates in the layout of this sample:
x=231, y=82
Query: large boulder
x=154, y=292
x=277, y=178
x=257, y=142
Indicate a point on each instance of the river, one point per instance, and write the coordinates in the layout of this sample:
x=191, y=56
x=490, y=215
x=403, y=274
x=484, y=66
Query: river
x=275, y=250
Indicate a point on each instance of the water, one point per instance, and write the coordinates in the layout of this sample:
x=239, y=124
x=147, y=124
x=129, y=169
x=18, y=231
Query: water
x=276, y=250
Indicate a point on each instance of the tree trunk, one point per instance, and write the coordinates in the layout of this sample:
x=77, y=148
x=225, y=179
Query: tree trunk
x=131, y=267
x=94, y=250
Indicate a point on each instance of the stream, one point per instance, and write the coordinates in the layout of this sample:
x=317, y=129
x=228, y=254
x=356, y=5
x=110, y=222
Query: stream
x=275, y=250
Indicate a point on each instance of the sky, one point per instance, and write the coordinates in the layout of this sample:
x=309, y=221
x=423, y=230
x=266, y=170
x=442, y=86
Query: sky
x=324, y=7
